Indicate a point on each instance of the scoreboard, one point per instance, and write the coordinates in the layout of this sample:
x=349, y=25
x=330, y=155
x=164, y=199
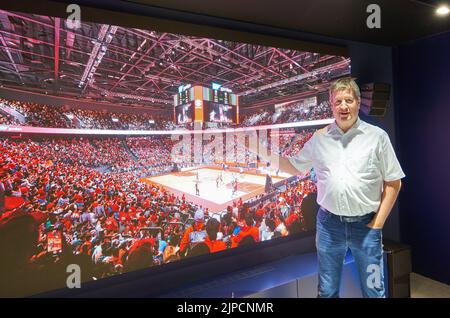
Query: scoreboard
x=203, y=104
x=184, y=96
x=220, y=97
x=219, y=112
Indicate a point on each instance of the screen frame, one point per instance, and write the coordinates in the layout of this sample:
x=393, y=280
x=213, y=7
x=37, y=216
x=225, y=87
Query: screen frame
x=157, y=280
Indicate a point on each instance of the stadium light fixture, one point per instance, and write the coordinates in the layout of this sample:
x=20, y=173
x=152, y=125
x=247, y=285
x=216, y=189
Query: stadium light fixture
x=442, y=10
x=97, y=53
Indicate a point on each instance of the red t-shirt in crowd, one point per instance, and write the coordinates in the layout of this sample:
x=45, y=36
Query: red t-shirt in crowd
x=115, y=207
x=78, y=198
x=24, y=190
x=215, y=246
x=124, y=217
x=245, y=231
x=259, y=213
x=60, y=193
x=111, y=224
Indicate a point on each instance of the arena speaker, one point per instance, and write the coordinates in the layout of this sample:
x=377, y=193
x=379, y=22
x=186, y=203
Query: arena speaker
x=375, y=98
x=398, y=269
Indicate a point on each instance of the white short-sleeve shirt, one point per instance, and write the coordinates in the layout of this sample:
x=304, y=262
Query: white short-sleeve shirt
x=350, y=167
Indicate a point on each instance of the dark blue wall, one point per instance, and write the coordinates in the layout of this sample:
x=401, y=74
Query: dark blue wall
x=373, y=63
x=422, y=78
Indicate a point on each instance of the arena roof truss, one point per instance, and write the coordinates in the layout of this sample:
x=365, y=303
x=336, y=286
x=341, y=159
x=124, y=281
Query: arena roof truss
x=134, y=66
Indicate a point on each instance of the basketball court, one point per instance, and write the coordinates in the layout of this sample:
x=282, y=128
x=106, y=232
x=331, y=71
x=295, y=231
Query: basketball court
x=214, y=195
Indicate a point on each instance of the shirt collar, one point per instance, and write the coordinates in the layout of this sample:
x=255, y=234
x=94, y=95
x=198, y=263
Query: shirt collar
x=358, y=125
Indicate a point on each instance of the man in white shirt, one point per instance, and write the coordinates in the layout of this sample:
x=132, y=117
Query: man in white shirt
x=358, y=180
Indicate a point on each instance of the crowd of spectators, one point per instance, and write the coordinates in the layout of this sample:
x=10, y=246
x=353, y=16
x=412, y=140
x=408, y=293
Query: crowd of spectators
x=41, y=115
x=152, y=153
x=101, y=215
x=91, y=119
x=85, y=191
x=257, y=119
x=64, y=117
x=291, y=114
x=289, y=145
x=6, y=119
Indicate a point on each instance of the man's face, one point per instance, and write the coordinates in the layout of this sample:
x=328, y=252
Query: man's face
x=345, y=107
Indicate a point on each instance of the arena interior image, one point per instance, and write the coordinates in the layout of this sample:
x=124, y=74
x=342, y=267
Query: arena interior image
x=124, y=148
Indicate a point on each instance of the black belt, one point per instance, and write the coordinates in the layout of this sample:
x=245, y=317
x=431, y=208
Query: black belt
x=350, y=219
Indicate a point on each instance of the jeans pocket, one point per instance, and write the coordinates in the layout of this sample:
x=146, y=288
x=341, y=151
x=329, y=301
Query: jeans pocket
x=372, y=231
x=374, y=235
x=368, y=220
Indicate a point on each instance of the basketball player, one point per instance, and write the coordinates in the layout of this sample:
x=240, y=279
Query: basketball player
x=241, y=172
x=197, y=190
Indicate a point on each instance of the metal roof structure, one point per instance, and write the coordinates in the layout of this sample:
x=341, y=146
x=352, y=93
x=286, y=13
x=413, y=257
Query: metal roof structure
x=134, y=66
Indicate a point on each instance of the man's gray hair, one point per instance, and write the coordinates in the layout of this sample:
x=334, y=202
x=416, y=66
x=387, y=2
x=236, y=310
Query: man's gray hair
x=345, y=83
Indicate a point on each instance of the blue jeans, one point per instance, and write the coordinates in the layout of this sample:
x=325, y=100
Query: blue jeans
x=334, y=236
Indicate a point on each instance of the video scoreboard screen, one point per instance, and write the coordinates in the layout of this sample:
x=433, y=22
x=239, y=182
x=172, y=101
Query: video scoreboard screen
x=219, y=112
x=184, y=113
x=183, y=97
x=221, y=97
